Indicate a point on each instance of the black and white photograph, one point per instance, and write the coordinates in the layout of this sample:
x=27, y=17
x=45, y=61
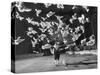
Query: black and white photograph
x=53, y=37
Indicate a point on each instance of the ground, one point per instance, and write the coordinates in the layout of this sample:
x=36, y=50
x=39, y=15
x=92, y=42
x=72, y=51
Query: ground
x=46, y=63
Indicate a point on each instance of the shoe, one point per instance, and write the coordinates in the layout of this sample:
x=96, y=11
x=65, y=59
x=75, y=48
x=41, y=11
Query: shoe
x=55, y=62
x=66, y=67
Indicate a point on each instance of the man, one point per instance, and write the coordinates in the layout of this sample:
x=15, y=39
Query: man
x=56, y=53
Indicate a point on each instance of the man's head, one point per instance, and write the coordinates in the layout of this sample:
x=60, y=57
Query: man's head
x=57, y=43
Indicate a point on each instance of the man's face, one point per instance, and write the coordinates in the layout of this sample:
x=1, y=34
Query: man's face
x=57, y=43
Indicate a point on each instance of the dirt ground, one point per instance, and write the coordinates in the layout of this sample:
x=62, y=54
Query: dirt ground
x=46, y=63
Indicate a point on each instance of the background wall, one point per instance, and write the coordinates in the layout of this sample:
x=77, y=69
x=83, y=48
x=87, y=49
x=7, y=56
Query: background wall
x=52, y=24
